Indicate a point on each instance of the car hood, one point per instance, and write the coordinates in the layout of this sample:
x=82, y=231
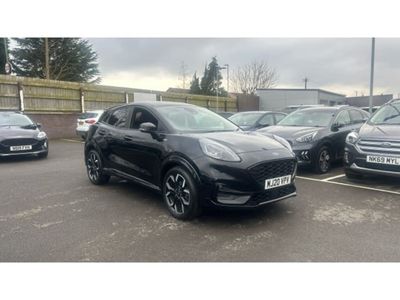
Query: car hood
x=242, y=142
x=369, y=131
x=12, y=132
x=289, y=132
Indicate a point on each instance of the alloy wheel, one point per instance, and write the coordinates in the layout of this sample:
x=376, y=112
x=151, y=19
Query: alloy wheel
x=177, y=194
x=93, y=166
x=324, y=160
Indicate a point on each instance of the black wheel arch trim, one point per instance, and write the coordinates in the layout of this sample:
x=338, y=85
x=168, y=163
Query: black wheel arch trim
x=179, y=160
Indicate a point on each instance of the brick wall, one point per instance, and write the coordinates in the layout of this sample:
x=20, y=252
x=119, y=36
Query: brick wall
x=57, y=125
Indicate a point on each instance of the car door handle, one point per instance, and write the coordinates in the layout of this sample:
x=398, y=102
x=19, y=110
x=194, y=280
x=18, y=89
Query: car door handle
x=128, y=138
x=102, y=132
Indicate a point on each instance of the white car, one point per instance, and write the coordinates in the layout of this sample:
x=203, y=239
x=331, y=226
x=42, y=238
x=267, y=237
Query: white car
x=85, y=120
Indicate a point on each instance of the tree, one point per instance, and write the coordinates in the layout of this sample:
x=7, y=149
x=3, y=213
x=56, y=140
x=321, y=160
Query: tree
x=211, y=81
x=70, y=59
x=3, y=54
x=252, y=76
x=195, y=85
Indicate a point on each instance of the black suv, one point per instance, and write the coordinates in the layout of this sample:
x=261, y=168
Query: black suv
x=375, y=148
x=318, y=135
x=193, y=156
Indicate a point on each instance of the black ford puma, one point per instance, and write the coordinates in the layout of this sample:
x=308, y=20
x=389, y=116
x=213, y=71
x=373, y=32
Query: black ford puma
x=193, y=156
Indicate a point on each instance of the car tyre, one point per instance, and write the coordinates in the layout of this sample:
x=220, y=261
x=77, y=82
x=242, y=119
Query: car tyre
x=323, y=160
x=180, y=194
x=94, y=167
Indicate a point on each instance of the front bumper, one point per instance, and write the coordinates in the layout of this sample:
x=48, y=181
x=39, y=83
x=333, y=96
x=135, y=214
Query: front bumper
x=242, y=184
x=355, y=161
x=304, y=154
x=38, y=147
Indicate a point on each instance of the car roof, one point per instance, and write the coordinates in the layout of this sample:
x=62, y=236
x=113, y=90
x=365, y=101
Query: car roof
x=330, y=108
x=253, y=112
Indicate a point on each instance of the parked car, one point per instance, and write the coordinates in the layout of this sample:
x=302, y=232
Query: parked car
x=375, y=148
x=318, y=135
x=85, y=120
x=291, y=108
x=193, y=156
x=252, y=120
x=225, y=114
x=366, y=108
x=19, y=135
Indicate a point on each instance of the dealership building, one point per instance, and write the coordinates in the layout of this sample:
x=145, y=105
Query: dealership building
x=278, y=99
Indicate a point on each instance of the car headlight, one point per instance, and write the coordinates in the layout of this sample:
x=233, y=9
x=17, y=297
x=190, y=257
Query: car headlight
x=352, y=137
x=41, y=135
x=307, y=138
x=284, y=142
x=218, y=151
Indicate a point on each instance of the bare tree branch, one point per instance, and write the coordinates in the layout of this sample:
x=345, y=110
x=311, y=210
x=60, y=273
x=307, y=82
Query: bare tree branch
x=252, y=76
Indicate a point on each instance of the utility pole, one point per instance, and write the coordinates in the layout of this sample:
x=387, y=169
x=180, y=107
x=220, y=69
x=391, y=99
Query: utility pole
x=183, y=74
x=227, y=77
x=46, y=58
x=371, y=82
x=305, y=82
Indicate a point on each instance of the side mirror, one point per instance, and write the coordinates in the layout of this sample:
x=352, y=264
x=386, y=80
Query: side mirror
x=147, y=127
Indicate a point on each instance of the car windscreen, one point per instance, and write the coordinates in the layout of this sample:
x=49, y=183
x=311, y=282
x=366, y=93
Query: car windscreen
x=88, y=115
x=195, y=119
x=245, y=119
x=14, y=120
x=308, y=118
x=387, y=115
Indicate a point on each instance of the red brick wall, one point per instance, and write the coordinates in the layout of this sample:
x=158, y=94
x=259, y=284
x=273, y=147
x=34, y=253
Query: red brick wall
x=57, y=125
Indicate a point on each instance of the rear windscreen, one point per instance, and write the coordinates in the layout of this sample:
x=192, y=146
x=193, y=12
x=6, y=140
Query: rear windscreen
x=87, y=115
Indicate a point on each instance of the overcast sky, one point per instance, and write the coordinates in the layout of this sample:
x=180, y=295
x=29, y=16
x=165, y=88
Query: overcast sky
x=338, y=65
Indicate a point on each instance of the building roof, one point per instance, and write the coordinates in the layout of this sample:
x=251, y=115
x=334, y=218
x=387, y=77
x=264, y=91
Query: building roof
x=178, y=90
x=302, y=90
x=361, y=101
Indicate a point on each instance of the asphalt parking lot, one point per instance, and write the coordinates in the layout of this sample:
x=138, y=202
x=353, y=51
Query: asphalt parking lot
x=49, y=211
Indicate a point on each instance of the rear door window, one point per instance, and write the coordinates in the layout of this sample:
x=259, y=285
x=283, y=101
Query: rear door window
x=119, y=117
x=267, y=120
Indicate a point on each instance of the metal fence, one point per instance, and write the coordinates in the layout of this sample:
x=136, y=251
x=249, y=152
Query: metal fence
x=34, y=95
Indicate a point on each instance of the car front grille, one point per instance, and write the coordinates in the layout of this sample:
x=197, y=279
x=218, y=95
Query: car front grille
x=382, y=167
x=379, y=146
x=19, y=142
x=270, y=195
x=273, y=169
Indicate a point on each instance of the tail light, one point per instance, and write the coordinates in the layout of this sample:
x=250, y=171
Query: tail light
x=90, y=121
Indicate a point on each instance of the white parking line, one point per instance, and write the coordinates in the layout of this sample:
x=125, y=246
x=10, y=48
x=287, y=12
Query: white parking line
x=333, y=177
x=350, y=185
x=73, y=141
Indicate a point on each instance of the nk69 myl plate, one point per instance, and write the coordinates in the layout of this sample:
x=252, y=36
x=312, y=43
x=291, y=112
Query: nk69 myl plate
x=278, y=181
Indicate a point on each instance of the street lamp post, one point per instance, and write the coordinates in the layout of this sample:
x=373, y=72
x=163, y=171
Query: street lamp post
x=225, y=67
x=371, y=81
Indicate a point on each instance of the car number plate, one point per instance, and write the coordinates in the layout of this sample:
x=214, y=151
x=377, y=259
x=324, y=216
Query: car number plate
x=278, y=181
x=384, y=160
x=21, y=148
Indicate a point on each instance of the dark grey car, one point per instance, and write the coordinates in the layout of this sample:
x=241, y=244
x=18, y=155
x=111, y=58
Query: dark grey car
x=253, y=120
x=375, y=148
x=317, y=135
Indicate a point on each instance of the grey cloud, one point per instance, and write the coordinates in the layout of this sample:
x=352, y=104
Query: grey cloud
x=327, y=62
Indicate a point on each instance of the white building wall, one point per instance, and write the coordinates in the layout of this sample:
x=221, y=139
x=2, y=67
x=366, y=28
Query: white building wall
x=330, y=99
x=279, y=99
